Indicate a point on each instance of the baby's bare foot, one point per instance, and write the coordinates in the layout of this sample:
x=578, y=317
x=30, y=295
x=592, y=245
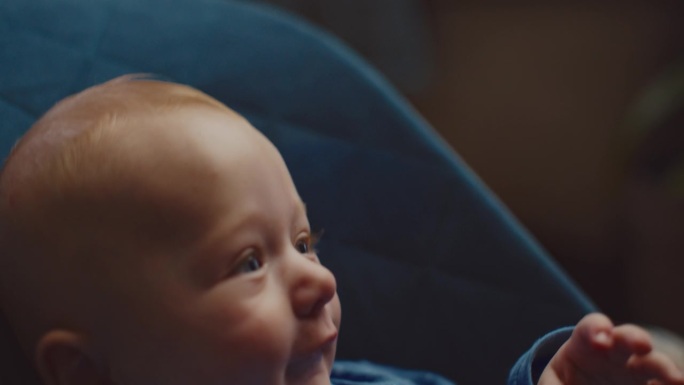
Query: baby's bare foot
x=599, y=353
x=669, y=343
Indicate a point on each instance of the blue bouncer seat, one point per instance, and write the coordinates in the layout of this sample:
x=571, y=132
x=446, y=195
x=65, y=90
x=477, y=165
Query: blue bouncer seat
x=433, y=272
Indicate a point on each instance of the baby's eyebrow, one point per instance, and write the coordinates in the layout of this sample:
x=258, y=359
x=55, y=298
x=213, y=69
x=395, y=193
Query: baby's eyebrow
x=299, y=212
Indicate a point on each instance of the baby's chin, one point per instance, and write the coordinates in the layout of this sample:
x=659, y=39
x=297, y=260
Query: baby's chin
x=319, y=378
x=314, y=370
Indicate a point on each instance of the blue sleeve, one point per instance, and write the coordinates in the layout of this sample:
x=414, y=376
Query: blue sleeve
x=530, y=366
x=366, y=373
x=525, y=372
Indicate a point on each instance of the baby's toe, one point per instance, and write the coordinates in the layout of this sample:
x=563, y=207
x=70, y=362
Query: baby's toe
x=596, y=329
x=632, y=339
x=657, y=368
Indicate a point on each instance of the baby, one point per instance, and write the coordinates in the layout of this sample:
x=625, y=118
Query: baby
x=150, y=235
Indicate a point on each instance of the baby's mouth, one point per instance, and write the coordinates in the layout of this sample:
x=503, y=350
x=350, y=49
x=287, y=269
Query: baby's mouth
x=306, y=365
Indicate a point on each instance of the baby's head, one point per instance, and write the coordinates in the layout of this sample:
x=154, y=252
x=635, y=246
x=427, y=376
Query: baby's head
x=150, y=235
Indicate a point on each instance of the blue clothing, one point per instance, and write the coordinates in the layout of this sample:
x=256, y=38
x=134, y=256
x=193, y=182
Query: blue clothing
x=525, y=372
x=367, y=373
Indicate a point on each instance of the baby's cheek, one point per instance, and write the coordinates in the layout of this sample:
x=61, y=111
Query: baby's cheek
x=249, y=329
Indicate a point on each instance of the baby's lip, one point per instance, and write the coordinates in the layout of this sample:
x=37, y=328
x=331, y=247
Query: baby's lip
x=326, y=343
x=330, y=339
x=308, y=361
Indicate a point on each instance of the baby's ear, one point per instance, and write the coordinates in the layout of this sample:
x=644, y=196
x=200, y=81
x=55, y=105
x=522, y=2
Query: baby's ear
x=63, y=358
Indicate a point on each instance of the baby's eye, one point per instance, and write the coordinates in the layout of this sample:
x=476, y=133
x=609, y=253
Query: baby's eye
x=303, y=245
x=250, y=264
x=306, y=244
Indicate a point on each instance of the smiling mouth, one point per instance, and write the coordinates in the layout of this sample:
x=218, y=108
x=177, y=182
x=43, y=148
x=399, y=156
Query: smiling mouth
x=309, y=364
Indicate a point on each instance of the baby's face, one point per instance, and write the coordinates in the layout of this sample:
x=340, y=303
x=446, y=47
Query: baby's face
x=244, y=300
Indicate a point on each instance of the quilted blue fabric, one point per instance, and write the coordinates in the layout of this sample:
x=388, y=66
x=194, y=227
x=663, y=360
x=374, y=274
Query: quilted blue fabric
x=433, y=272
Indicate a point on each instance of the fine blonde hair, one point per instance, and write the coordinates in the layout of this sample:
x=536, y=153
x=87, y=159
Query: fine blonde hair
x=66, y=150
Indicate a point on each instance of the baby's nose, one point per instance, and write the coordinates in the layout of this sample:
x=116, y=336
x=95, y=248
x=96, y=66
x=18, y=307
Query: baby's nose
x=312, y=287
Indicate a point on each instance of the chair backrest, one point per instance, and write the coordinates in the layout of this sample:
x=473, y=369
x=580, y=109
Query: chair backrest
x=433, y=272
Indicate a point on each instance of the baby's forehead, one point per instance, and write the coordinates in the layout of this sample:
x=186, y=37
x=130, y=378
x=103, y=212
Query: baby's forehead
x=140, y=150
x=104, y=112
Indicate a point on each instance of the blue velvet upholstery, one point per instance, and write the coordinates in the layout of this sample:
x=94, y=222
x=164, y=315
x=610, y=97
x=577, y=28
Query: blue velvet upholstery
x=433, y=272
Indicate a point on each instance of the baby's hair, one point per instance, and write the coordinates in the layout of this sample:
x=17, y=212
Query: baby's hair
x=81, y=120
x=76, y=142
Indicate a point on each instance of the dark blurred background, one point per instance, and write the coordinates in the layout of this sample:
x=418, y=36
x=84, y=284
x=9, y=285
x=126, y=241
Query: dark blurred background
x=571, y=111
